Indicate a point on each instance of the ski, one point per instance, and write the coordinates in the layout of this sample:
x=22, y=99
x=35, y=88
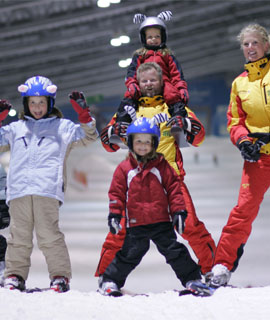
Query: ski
x=179, y=137
x=197, y=289
x=115, y=139
x=36, y=289
x=197, y=293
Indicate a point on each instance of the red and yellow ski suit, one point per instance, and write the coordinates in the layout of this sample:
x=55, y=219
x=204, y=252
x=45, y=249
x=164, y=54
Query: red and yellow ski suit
x=249, y=111
x=195, y=232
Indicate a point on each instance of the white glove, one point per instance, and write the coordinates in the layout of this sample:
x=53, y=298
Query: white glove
x=132, y=112
x=159, y=118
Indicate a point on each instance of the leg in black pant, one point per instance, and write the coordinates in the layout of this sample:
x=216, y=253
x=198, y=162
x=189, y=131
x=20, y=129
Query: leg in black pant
x=135, y=246
x=176, y=253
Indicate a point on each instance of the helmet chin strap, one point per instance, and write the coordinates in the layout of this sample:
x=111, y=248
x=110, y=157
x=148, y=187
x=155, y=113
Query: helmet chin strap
x=161, y=46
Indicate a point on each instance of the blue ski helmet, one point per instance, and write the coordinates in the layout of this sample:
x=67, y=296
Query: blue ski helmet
x=38, y=86
x=143, y=125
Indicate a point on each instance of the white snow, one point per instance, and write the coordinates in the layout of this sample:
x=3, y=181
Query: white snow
x=214, y=187
x=226, y=303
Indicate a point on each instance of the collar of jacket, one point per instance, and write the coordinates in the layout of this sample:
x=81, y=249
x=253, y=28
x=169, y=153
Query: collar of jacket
x=155, y=48
x=150, y=163
x=257, y=69
x=39, y=120
x=151, y=101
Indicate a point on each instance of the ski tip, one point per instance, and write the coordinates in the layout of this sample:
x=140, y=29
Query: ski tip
x=118, y=141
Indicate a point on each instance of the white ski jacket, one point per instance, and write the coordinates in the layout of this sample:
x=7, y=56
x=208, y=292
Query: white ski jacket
x=39, y=149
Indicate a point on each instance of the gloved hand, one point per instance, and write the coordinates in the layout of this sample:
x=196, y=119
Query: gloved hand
x=134, y=91
x=131, y=112
x=104, y=137
x=5, y=106
x=126, y=111
x=4, y=215
x=178, y=109
x=114, y=223
x=119, y=128
x=263, y=137
x=186, y=124
x=178, y=222
x=78, y=103
x=159, y=118
x=178, y=121
x=249, y=151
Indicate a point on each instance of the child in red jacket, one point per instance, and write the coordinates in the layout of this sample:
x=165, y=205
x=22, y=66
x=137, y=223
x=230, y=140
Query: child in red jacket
x=153, y=36
x=147, y=189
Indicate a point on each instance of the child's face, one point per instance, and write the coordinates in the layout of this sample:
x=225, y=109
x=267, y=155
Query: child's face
x=38, y=106
x=153, y=36
x=142, y=143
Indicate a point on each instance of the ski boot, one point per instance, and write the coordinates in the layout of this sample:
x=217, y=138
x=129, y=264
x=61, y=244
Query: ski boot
x=220, y=276
x=198, y=288
x=14, y=282
x=60, y=284
x=108, y=288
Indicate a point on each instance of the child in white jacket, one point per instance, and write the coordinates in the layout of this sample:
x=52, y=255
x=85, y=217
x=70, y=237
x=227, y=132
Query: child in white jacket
x=39, y=144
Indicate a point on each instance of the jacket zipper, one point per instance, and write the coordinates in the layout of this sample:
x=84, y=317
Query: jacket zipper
x=265, y=99
x=24, y=141
x=39, y=143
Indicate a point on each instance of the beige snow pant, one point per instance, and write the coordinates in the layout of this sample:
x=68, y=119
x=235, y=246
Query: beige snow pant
x=41, y=213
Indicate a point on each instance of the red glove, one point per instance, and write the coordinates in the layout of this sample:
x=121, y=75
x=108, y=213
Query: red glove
x=178, y=121
x=78, y=103
x=191, y=125
x=134, y=91
x=120, y=129
x=5, y=106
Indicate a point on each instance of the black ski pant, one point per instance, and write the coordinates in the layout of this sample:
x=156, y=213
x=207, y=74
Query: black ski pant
x=137, y=243
x=3, y=247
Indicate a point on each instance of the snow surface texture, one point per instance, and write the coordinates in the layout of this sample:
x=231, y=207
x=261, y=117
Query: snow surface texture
x=226, y=303
x=213, y=178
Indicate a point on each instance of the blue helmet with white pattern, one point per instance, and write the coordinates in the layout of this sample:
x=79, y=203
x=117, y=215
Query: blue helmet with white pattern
x=38, y=86
x=143, y=125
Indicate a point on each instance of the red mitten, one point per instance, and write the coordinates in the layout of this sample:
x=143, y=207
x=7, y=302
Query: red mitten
x=5, y=106
x=78, y=103
x=134, y=91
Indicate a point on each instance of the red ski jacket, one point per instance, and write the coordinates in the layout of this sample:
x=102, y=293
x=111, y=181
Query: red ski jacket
x=148, y=193
x=175, y=86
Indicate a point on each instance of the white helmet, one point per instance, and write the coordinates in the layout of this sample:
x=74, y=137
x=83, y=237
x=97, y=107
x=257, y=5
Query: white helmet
x=147, y=22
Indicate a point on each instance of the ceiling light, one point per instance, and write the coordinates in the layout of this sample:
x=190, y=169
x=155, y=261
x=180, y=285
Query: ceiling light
x=124, y=63
x=124, y=39
x=12, y=113
x=106, y=3
x=103, y=3
x=116, y=42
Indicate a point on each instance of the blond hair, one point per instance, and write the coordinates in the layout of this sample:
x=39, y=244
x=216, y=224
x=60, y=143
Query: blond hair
x=254, y=28
x=143, y=51
x=149, y=66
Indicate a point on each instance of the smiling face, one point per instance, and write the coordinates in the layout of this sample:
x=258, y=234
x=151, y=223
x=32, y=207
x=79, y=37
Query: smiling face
x=254, y=48
x=150, y=83
x=142, y=143
x=153, y=36
x=38, y=106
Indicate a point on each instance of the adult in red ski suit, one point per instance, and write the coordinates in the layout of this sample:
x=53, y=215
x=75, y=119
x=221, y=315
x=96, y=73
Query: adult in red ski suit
x=195, y=232
x=249, y=127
